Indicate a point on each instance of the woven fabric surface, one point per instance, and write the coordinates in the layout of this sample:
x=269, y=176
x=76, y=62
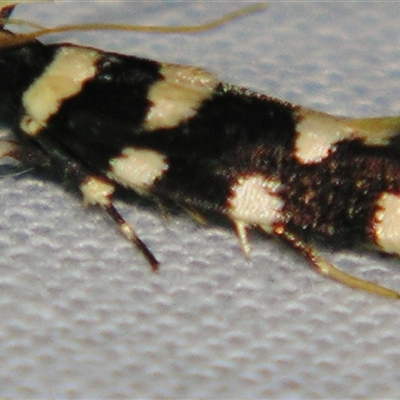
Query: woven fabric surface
x=81, y=314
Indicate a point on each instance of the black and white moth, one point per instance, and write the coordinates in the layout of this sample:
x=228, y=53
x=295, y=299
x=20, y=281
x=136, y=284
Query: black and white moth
x=179, y=136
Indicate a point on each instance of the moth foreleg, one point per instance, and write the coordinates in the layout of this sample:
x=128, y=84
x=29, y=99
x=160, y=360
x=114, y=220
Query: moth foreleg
x=98, y=191
x=9, y=148
x=95, y=189
x=131, y=235
x=327, y=269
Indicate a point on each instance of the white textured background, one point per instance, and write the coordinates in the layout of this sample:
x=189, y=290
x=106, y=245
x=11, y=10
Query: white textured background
x=81, y=315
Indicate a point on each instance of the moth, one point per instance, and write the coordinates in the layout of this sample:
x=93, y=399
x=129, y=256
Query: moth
x=179, y=136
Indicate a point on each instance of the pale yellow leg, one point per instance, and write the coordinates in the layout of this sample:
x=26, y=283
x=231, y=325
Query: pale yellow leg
x=327, y=269
x=241, y=229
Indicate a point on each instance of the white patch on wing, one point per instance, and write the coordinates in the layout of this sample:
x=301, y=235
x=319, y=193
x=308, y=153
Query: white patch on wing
x=177, y=96
x=96, y=191
x=63, y=78
x=255, y=201
x=317, y=133
x=137, y=168
x=387, y=223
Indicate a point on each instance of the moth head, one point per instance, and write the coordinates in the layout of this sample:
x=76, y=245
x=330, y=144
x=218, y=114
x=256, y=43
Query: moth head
x=15, y=70
x=7, y=38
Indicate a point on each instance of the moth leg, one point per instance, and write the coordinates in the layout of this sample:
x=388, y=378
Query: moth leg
x=9, y=148
x=98, y=192
x=327, y=269
x=242, y=231
x=95, y=190
x=131, y=235
x=195, y=215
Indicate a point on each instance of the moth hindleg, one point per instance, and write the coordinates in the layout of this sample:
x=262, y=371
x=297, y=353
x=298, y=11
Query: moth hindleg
x=327, y=269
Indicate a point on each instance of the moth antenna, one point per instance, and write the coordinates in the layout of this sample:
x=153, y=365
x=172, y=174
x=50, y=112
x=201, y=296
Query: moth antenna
x=41, y=31
x=131, y=235
x=327, y=269
x=22, y=22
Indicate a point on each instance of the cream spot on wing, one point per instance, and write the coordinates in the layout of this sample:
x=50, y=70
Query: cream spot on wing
x=255, y=201
x=96, y=191
x=317, y=133
x=177, y=96
x=387, y=223
x=63, y=78
x=138, y=169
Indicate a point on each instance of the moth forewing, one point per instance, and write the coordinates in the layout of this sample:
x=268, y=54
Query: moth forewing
x=178, y=135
